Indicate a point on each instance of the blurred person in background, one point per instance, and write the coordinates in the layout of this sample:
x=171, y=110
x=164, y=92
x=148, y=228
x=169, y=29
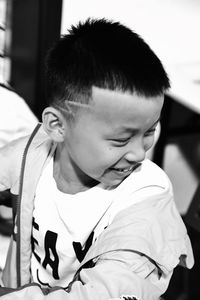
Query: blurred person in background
x=16, y=120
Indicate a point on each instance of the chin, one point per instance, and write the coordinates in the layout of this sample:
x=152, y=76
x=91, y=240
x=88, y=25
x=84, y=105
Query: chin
x=112, y=182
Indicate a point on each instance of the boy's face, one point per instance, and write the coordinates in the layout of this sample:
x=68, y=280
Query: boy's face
x=110, y=138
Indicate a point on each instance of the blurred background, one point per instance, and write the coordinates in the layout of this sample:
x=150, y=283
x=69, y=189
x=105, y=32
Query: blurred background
x=172, y=29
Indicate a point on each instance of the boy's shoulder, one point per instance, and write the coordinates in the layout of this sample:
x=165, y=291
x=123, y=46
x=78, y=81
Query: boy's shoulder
x=148, y=174
x=146, y=185
x=11, y=155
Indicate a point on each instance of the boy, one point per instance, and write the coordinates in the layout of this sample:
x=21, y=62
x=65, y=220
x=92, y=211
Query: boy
x=100, y=217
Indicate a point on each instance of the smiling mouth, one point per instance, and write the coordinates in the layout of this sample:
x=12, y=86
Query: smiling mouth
x=125, y=170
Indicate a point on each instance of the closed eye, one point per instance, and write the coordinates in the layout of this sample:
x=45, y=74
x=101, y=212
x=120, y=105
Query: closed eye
x=150, y=132
x=120, y=142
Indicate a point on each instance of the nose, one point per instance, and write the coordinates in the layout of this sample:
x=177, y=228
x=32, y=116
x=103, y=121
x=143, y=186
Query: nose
x=136, y=151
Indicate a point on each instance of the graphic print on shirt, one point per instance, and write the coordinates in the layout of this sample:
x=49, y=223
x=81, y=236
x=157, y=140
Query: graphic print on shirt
x=81, y=251
x=51, y=257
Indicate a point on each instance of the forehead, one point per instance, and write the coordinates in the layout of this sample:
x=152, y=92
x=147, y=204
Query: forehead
x=115, y=110
x=107, y=104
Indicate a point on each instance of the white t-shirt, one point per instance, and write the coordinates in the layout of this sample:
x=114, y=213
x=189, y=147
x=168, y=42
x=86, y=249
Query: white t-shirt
x=63, y=224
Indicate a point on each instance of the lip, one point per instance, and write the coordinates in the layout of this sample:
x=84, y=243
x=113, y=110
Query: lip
x=125, y=170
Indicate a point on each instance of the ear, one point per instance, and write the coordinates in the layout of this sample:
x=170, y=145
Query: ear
x=54, y=124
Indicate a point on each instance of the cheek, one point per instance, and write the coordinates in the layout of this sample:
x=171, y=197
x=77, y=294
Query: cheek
x=148, y=142
x=93, y=155
x=103, y=157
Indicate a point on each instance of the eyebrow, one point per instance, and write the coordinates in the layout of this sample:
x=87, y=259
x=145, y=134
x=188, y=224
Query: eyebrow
x=131, y=130
x=156, y=122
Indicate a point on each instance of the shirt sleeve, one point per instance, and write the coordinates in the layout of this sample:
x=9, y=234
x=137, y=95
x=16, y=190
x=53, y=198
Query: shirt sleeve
x=109, y=279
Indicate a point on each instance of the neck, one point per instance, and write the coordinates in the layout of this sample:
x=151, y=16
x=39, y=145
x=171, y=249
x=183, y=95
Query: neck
x=68, y=187
x=68, y=179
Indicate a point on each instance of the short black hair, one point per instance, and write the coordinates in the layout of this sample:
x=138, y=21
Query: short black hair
x=106, y=54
